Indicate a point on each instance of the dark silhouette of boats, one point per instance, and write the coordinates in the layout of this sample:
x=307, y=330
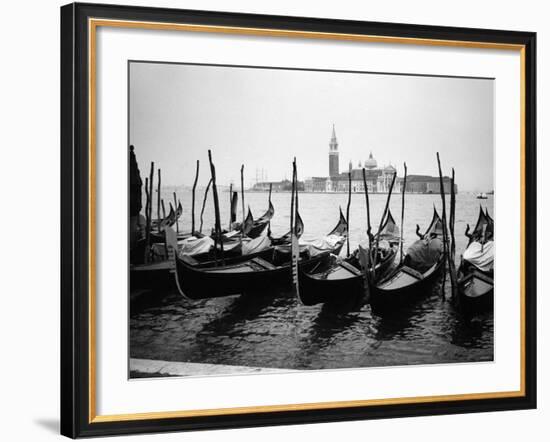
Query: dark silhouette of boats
x=475, y=274
x=247, y=274
x=406, y=283
x=342, y=281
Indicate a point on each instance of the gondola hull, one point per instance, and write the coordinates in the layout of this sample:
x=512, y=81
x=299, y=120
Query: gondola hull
x=403, y=287
x=258, y=274
x=338, y=283
x=332, y=283
x=476, y=291
x=157, y=274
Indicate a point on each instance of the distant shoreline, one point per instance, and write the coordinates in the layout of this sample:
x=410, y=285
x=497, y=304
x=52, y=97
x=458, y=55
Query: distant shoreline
x=225, y=189
x=360, y=193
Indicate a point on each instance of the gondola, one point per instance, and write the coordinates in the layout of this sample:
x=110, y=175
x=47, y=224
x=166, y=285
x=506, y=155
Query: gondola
x=233, y=250
x=155, y=237
x=157, y=232
x=267, y=269
x=475, y=274
x=342, y=281
x=253, y=228
x=232, y=243
x=285, y=239
x=406, y=283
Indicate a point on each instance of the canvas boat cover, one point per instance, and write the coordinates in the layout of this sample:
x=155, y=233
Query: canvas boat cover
x=480, y=255
x=326, y=244
x=194, y=246
x=255, y=245
x=315, y=246
x=424, y=253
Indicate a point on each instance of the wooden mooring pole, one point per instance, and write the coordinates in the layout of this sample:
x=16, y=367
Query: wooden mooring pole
x=403, y=188
x=177, y=217
x=218, y=226
x=347, y=211
x=384, y=214
x=369, y=229
x=230, y=205
x=158, y=201
x=452, y=265
x=242, y=197
x=204, y=202
x=147, y=221
x=269, y=207
x=449, y=262
x=294, y=246
x=365, y=260
x=150, y=213
x=193, y=199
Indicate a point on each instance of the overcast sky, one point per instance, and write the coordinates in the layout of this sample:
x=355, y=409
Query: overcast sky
x=262, y=118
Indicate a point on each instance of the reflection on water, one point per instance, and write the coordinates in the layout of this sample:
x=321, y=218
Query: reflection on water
x=273, y=330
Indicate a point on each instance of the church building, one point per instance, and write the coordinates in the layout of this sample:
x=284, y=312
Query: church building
x=378, y=179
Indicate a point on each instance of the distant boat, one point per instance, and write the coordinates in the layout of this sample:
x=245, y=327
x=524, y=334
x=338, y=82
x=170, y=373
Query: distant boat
x=481, y=196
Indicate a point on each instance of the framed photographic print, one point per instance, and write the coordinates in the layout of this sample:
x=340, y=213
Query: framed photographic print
x=274, y=220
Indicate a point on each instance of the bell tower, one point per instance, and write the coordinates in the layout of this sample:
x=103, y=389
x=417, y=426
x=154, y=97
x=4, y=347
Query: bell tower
x=333, y=165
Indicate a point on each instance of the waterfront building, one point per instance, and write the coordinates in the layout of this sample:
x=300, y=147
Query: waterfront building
x=378, y=178
x=277, y=186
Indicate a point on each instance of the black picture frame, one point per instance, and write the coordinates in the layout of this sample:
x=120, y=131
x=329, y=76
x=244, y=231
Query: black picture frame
x=75, y=220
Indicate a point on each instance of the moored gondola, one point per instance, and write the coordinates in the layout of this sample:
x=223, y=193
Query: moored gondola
x=285, y=239
x=253, y=228
x=475, y=274
x=342, y=281
x=269, y=268
x=414, y=278
x=157, y=229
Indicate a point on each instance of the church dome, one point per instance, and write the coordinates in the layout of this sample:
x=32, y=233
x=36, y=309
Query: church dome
x=371, y=162
x=389, y=169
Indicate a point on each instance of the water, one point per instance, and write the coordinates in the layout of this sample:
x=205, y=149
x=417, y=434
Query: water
x=272, y=330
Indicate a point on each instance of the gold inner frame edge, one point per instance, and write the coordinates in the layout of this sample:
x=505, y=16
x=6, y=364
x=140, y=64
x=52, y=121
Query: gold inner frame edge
x=93, y=24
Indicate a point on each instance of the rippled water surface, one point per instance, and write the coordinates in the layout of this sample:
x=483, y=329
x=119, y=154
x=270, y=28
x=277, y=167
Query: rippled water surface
x=272, y=330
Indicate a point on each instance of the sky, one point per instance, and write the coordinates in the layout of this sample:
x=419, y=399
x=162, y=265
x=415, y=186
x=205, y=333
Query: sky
x=262, y=118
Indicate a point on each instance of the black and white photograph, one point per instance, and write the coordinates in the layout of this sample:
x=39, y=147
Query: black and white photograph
x=286, y=219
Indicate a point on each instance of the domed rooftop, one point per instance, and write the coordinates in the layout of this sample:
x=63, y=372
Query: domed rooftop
x=371, y=162
x=389, y=168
